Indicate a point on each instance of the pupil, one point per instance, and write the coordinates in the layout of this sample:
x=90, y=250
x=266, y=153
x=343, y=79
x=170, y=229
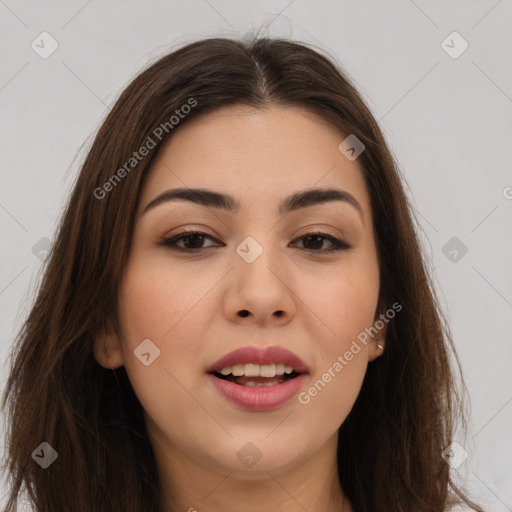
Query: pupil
x=318, y=238
x=193, y=237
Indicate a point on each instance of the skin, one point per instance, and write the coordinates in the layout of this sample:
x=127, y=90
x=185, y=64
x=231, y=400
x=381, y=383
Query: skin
x=188, y=304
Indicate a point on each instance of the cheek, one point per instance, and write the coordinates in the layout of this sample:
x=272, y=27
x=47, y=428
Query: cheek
x=342, y=304
x=328, y=399
x=344, y=310
x=158, y=303
x=155, y=299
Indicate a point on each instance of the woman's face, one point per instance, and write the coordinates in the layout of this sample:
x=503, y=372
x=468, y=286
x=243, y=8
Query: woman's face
x=253, y=278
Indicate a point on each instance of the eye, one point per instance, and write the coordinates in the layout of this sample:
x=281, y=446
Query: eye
x=193, y=242
x=316, y=240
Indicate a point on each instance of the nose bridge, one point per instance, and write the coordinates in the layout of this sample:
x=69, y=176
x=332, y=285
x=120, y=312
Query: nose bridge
x=260, y=279
x=259, y=255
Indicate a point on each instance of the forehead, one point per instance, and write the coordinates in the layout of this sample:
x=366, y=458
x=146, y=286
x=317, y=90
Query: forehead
x=258, y=156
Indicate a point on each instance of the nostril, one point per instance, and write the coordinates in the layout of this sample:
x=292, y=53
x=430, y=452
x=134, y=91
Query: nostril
x=244, y=313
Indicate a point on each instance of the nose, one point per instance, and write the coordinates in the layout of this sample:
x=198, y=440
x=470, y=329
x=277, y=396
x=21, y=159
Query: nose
x=260, y=291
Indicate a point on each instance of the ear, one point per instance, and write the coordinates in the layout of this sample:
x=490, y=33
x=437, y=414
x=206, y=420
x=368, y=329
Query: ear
x=107, y=349
x=378, y=339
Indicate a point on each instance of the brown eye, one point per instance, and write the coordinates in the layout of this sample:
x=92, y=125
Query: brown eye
x=192, y=241
x=314, y=242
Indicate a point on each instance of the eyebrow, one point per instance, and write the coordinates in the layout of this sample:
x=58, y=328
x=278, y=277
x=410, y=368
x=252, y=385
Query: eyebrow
x=226, y=202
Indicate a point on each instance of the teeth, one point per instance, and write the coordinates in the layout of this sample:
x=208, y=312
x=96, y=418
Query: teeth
x=252, y=384
x=237, y=370
x=256, y=370
x=252, y=370
x=267, y=370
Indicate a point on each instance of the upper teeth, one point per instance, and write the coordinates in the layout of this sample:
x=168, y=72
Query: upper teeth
x=257, y=370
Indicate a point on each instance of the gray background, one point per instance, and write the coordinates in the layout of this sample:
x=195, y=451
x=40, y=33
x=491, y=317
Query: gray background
x=448, y=121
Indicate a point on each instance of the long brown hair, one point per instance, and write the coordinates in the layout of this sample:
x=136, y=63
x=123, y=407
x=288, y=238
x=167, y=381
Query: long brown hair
x=390, y=445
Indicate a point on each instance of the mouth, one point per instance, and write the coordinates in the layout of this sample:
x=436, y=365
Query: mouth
x=255, y=375
x=258, y=379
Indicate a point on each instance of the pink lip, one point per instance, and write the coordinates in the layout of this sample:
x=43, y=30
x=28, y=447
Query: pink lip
x=264, y=398
x=260, y=355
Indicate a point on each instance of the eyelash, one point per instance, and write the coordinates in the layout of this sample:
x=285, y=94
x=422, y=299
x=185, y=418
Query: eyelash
x=171, y=243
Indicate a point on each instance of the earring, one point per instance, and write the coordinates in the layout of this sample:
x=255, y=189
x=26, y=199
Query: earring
x=380, y=346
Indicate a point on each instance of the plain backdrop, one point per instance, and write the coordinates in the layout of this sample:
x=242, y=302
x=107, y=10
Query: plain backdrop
x=446, y=113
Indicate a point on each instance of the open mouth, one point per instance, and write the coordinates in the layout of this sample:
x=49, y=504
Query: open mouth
x=259, y=381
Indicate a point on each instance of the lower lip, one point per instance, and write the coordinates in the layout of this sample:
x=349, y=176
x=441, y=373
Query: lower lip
x=263, y=398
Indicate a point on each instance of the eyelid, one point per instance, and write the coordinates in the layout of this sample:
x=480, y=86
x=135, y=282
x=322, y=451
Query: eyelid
x=339, y=244
x=171, y=240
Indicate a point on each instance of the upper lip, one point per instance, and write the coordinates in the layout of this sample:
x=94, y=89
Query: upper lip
x=259, y=355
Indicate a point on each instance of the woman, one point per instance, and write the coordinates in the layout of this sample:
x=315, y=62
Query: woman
x=236, y=311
